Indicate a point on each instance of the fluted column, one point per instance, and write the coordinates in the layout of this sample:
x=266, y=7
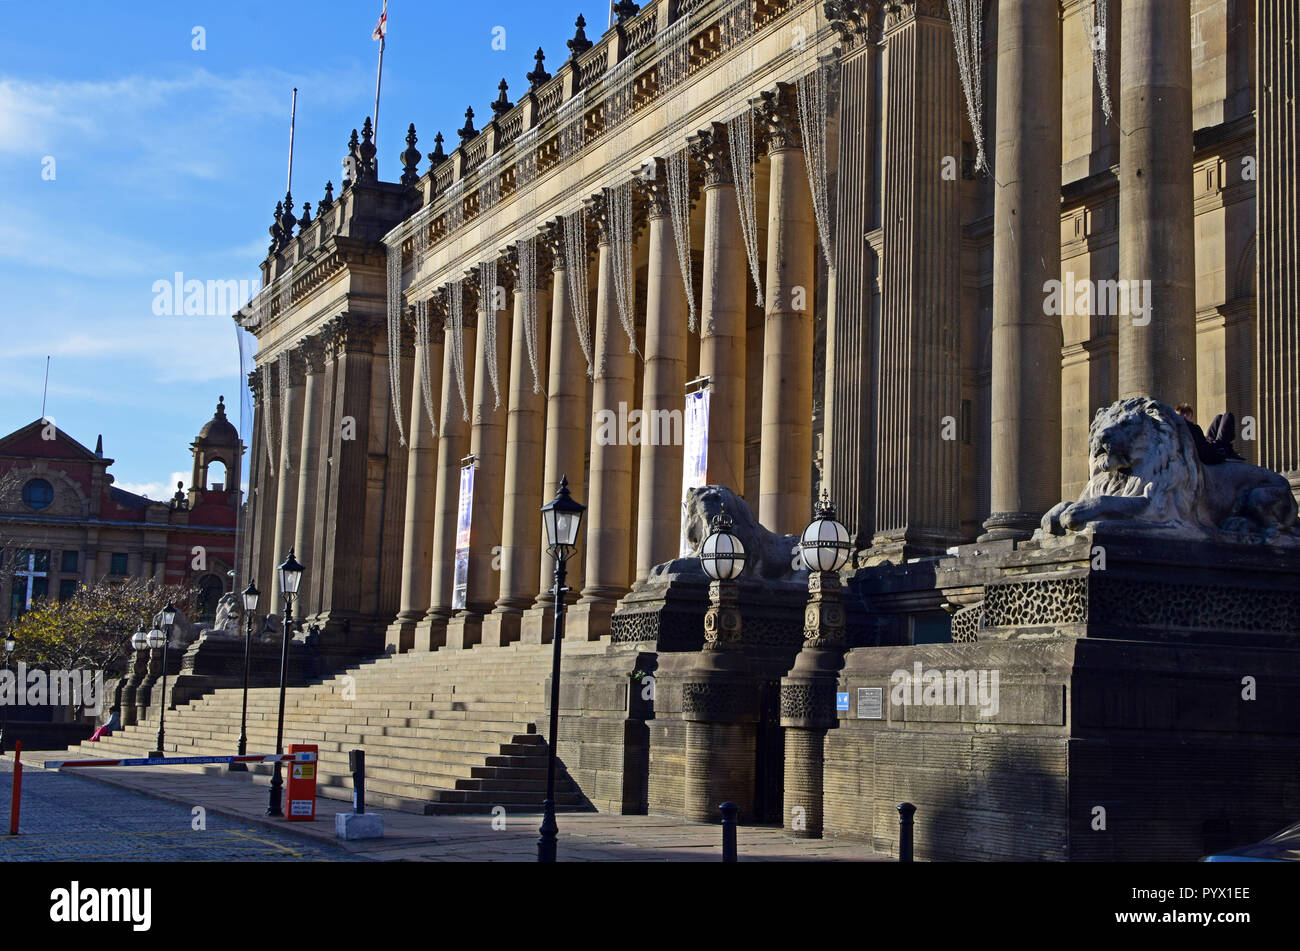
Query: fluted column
x=263, y=529
x=566, y=427
x=286, y=502
x=1157, y=347
x=1026, y=371
x=663, y=392
x=313, y=362
x=421, y=477
x=1277, y=259
x=487, y=446
x=609, y=506
x=453, y=446
x=723, y=311
x=521, y=522
x=785, y=463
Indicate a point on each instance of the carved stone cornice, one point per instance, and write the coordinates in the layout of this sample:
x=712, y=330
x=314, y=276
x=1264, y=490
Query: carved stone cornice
x=900, y=13
x=858, y=22
x=312, y=350
x=711, y=149
x=776, y=112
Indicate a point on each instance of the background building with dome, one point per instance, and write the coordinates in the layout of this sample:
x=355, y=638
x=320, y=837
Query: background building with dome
x=64, y=522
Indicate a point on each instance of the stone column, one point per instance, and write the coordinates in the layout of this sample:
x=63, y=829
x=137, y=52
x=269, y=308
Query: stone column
x=487, y=447
x=918, y=372
x=1277, y=258
x=1157, y=346
x=723, y=311
x=566, y=428
x=313, y=360
x=421, y=476
x=453, y=446
x=785, y=467
x=521, y=521
x=1027, y=341
x=663, y=397
x=609, y=505
x=263, y=527
x=286, y=502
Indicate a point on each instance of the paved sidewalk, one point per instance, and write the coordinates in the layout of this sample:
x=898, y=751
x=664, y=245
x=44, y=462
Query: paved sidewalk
x=586, y=836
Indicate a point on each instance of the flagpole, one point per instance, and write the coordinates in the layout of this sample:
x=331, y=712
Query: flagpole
x=379, y=76
x=293, y=118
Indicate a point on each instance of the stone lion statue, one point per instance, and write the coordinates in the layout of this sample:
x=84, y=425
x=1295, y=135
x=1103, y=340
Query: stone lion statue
x=230, y=611
x=768, y=555
x=1145, y=474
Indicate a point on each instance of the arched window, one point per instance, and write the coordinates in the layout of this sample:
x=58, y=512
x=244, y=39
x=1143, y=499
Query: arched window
x=216, y=475
x=37, y=494
x=210, y=591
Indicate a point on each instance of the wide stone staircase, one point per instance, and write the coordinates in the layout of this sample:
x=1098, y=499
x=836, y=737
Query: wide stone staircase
x=444, y=731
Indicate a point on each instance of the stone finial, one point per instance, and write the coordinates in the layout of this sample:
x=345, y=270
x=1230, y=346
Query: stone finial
x=539, y=74
x=625, y=10
x=277, y=233
x=503, y=103
x=326, y=203
x=437, y=156
x=467, y=131
x=366, y=164
x=410, y=158
x=287, y=220
x=305, y=220
x=352, y=161
x=579, y=44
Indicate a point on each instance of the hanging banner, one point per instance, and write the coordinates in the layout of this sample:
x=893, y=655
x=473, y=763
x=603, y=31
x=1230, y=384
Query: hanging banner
x=461, y=586
x=695, y=458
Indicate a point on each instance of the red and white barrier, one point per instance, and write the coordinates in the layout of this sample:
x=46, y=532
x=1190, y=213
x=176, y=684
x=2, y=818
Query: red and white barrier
x=252, y=758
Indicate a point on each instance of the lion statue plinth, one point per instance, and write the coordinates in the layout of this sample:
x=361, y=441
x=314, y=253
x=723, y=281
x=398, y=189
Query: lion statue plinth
x=1144, y=475
x=768, y=554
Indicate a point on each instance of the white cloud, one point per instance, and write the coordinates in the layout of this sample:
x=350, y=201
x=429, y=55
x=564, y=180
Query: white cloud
x=158, y=491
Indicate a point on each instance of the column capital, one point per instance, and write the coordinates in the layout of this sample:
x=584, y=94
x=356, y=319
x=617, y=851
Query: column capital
x=777, y=113
x=858, y=22
x=598, y=214
x=312, y=350
x=350, y=333
x=551, y=238
x=711, y=148
x=653, y=184
x=900, y=13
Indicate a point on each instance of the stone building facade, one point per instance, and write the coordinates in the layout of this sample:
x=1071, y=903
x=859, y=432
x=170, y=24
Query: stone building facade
x=871, y=306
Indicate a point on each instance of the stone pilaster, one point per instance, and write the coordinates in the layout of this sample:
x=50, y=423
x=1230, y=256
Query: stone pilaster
x=663, y=392
x=566, y=427
x=1157, y=349
x=421, y=478
x=521, y=522
x=785, y=468
x=1277, y=258
x=286, y=502
x=312, y=353
x=723, y=310
x=487, y=446
x=1027, y=341
x=918, y=376
x=609, y=506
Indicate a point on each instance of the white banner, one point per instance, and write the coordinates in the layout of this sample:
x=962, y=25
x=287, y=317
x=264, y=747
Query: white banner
x=695, y=458
x=465, y=510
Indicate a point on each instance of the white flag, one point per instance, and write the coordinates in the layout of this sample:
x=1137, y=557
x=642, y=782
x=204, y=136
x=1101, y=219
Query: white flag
x=381, y=28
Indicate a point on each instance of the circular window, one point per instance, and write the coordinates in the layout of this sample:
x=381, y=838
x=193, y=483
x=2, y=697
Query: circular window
x=37, y=494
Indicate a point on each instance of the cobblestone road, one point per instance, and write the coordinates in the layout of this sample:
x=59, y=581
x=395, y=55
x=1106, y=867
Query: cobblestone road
x=67, y=818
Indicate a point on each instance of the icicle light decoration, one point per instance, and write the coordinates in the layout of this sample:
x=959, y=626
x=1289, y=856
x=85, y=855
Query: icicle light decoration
x=571, y=117
x=1096, y=26
x=268, y=417
x=393, y=253
x=678, y=168
x=286, y=293
x=487, y=272
x=282, y=365
x=455, y=205
x=527, y=250
x=456, y=340
x=968, y=37
x=575, y=262
x=740, y=136
x=426, y=372
x=489, y=192
x=813, y=111
x=621, y=223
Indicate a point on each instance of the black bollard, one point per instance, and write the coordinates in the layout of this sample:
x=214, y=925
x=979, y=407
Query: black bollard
x=729, y=810
x=905, y=813
x=357, y=764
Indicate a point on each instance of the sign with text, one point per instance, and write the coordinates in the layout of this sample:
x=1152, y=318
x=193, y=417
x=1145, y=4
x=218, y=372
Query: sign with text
x=871, y=703
x=695, y=457
x=461, y=587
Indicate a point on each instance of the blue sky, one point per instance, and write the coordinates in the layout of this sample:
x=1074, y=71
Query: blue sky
x=165, y=158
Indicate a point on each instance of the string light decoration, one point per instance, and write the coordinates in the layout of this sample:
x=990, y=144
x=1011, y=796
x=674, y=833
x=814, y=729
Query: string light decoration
x=1096, y=27
x=967, y=35
x=487, y=271
x=619, y=198
x=572, y=122
x=426, y=372
x=813, y=111
x=456, y=333
x=674, y=65
x=527, y=251
x=740, y=136
x=575, y=261
x=282, y=365
x=393, y=254
x=268, y=417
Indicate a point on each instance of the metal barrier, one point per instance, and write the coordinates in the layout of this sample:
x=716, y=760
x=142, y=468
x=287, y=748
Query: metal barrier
x=252, y=758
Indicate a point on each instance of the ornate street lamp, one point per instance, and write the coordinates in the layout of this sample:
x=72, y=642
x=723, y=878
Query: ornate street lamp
x=290, y=578
x=722, y=556
x=561, y=518
x=808, y=690
x=250, y=595
x=157, y=639
x=10, y=644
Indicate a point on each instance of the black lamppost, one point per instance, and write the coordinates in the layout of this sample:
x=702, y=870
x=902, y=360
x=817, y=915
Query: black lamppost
x=290, y=578
x=250, y=595
x=10, y=644
x=162, y=639
x=561, y=518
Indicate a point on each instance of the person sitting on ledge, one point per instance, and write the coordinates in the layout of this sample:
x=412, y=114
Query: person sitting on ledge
x=1217, y=447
